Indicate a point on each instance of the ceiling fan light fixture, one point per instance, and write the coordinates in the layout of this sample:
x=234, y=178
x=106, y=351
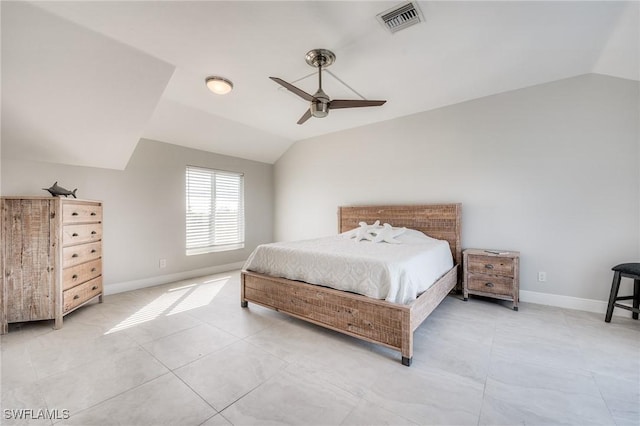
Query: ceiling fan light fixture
x=219, y=85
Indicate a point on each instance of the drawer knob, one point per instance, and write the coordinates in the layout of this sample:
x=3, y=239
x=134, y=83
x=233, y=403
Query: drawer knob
x=93, y=213
x=74, y=214
x=93, y=269
x=93, y=250
x=74, y=277
x=93, y=232
x=488, y=284
x=76, y=297
x=488, y=266
x=75, y=234
x=74, y=255
x=95, y=287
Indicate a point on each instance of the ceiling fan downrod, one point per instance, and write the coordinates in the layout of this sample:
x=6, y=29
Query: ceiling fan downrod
x=320, y=58
x=320, y=105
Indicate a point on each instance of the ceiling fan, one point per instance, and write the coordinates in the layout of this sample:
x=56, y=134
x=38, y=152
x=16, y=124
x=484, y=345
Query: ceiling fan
x=320, y=101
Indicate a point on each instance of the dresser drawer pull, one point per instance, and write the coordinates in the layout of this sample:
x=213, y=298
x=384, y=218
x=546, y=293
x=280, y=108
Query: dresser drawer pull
x=76, y=297
x=95, y=287
x=93, y=232
x=93, y=250
x=74, y=277
x=488, y=266
x=93, y=213
x=75, y=234
x=74, y=255
x=93, y=269
x=488, y=284
x=74, y=214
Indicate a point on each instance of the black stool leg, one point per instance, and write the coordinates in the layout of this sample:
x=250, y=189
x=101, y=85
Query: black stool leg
x=615, y=286
x=636, y=297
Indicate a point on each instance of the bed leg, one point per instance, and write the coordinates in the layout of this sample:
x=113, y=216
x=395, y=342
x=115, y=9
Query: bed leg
x=406, y=361
x=243, y=302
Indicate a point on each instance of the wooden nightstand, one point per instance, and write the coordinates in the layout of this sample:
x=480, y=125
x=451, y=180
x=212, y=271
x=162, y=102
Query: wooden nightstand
x=492, y=273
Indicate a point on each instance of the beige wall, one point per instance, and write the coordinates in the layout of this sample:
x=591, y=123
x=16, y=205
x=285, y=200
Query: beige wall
x=549, y=170
x=144, y=207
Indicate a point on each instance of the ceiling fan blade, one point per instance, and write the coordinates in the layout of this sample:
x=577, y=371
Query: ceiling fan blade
x=353, y=103
x=304, y=95
x=305, y=117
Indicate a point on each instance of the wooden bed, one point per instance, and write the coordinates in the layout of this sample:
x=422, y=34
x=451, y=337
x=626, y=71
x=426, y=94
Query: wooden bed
x=373, y=320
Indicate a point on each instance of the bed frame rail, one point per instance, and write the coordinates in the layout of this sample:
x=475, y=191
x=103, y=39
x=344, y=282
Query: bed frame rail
x=388, y=324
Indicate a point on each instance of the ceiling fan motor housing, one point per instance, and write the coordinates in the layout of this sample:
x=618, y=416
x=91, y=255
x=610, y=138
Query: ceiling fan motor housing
x=319, y=109
x=320, y=104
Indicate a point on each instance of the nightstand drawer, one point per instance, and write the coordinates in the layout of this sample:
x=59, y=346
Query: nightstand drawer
x=492, y=265
x=490, y=284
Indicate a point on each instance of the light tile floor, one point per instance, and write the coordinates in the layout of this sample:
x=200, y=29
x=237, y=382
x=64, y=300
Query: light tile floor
x=186, y=353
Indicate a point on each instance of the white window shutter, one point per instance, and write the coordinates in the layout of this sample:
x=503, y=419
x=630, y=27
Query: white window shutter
x=215, y=210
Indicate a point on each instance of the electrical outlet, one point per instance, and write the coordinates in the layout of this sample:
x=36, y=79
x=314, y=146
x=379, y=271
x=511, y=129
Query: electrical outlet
x=542, y=277
x=162, y=263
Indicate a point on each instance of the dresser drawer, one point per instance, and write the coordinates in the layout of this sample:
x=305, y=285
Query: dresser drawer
x=81, y=212
x=79, y=294
x=490, y=284
x=78, y=274
x=491, y=265
x=77, y=234
x=75, y=255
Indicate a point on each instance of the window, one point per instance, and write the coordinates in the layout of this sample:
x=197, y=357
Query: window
x=215, y=210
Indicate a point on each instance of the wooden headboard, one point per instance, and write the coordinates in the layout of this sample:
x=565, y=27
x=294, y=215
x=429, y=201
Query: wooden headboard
x=441, y=221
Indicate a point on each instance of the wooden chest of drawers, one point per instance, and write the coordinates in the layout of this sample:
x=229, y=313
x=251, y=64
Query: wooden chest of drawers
x=492, y=273
x=50, y=257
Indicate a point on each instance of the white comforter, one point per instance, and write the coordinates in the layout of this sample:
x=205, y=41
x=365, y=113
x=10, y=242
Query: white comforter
x=395, y=272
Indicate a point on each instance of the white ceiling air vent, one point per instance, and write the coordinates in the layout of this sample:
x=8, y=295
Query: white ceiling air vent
x=400, y=17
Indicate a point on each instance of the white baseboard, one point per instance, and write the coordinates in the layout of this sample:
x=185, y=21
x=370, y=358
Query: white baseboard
x=569, y=302
x=164, y=279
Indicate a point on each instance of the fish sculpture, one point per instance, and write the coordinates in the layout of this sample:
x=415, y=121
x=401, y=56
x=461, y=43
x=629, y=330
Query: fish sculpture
x=56, y=190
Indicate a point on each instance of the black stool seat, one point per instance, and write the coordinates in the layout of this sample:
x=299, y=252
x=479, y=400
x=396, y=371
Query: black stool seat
x=627, y=270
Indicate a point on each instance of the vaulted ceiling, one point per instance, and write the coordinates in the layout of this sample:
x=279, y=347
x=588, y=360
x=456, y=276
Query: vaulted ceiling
x=83, y=81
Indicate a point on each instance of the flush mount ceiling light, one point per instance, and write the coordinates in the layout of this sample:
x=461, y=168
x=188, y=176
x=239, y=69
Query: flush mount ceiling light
x=219, y=85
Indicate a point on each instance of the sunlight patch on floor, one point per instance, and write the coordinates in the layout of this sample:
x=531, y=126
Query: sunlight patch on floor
x=174, y=300
x=199, y=296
